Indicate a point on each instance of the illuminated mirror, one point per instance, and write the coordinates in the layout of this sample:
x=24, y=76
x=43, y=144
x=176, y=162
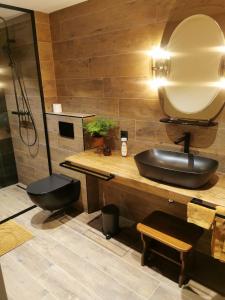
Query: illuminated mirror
x=195, y=76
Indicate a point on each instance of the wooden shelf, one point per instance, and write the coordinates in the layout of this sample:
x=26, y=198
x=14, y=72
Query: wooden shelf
x=201, y=123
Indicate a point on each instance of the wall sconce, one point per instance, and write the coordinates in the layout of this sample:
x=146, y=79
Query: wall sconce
x=221, y=82
x=159, y=67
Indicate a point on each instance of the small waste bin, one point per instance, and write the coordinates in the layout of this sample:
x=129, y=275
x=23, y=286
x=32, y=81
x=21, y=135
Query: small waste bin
x=110, y=220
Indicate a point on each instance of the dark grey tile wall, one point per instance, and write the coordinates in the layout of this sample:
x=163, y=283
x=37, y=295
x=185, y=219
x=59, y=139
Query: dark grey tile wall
x=8, y=172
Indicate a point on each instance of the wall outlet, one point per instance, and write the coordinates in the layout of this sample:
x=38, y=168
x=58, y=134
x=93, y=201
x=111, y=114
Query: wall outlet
x=170, y=200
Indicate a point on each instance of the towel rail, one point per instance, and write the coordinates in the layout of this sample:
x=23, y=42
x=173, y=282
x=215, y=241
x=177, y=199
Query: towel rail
x=69, y=165
x=202, y=203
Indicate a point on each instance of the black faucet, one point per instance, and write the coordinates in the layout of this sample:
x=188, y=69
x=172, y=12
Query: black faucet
x=186, y=139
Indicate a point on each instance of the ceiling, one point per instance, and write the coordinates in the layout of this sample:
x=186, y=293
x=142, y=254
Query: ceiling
x=9, y=13
x=42, y=5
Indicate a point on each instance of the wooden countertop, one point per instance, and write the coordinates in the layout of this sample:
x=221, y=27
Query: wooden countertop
x=126, y=172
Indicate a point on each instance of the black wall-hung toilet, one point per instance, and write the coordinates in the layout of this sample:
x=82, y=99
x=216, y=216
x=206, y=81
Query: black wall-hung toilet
x=54, y=192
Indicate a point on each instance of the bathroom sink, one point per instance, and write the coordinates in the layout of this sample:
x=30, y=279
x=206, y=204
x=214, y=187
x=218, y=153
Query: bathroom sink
x=182, y=169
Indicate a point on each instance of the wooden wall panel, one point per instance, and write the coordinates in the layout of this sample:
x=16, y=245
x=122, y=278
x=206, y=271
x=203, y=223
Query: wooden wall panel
x=135, y=204
x=45, y=51
x=99, y=50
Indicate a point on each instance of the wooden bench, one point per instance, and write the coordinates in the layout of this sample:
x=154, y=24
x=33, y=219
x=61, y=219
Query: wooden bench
x=172, y=232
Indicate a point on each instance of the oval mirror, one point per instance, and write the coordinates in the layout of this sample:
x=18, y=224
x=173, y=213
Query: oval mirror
x=196, y=50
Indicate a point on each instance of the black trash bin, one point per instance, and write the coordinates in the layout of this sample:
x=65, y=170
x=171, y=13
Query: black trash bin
x=110, y=220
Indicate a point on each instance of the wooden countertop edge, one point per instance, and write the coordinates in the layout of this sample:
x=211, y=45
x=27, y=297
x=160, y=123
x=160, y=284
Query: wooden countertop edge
x=138, y=182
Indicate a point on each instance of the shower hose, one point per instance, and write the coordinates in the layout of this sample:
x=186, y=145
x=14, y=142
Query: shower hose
x=24, y=112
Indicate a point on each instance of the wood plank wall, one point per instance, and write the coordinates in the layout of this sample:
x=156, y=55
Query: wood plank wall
x=46, y=59
x=101, y=67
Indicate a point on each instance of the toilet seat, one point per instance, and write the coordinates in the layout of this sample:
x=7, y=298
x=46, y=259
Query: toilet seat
x=49, y=184
x=54, y=192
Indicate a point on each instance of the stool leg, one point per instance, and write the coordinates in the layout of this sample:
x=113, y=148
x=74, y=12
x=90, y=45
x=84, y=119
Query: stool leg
x=183, y=259
x=144, y=250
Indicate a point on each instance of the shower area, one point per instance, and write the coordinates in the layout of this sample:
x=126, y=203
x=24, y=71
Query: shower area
x=23, y=147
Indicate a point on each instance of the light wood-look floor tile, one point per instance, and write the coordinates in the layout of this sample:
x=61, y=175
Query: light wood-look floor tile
x=13, y=199
x=67, y=259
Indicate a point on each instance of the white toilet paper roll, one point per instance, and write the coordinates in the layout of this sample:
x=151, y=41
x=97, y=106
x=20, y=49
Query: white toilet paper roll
x=57, y=107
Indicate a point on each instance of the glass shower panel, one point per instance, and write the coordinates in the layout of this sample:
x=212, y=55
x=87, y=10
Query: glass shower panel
x=23, y=147
x=20, y=80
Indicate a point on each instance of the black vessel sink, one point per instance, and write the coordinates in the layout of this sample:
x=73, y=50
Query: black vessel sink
x=176, y=168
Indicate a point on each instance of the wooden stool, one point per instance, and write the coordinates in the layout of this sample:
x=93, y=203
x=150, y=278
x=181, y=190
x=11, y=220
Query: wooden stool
x=172, y=232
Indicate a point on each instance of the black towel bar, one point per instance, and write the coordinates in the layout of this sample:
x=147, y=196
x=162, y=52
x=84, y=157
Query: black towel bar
x=69, y=165
x=201, y=203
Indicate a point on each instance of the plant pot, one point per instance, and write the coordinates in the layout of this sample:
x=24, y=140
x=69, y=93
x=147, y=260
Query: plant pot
x=98, y=141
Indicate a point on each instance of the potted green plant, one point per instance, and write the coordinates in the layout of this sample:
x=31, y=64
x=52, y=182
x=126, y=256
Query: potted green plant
x=98, y=129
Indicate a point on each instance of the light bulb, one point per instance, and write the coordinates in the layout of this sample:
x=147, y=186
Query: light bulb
x=159, y=53
x=220, y=49
x=221, y=83
x=158, y=82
